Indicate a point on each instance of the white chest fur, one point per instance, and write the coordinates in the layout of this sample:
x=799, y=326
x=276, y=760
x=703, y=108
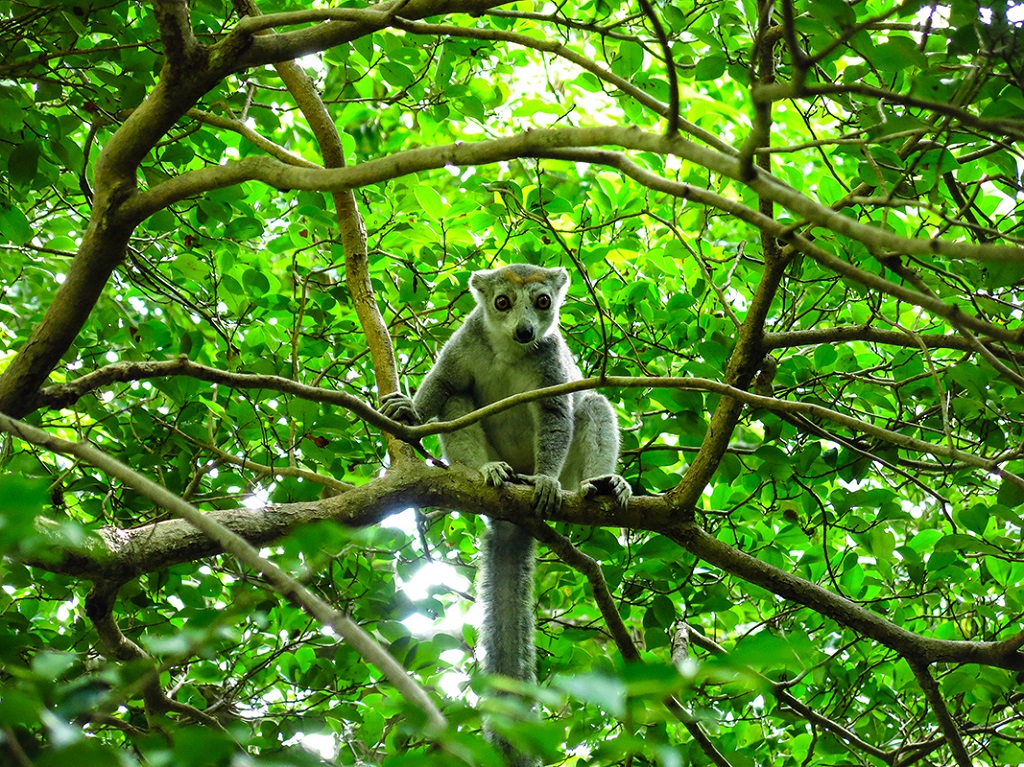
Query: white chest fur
x=511, y=433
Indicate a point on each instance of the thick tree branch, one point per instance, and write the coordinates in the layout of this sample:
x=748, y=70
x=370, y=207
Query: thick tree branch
x=181, y=50
x=590, y=568
x=192, y=70
x=287, y=46
x=353, y=230
x=244, y=551
x=938, y=706
x=540, y=143
x=123, y=554
x=842, y=610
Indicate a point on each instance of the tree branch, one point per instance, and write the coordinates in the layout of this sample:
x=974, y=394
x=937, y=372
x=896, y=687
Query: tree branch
x=546, y=142
x=122, y=554
x=938, y=706
x=790, y=339
x=353, y=230
x=558, y=49
x=63, y=394
x=241, y=549
x=670, y=66
x=910, y=646
x=797, y=241
x=591, y=570
x=66, y=394
x=257, y=140
x=273, y=49
x=845, y=737
x=176, y=35
x=99, y=607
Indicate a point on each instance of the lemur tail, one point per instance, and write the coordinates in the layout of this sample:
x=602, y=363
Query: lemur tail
x=506, y=592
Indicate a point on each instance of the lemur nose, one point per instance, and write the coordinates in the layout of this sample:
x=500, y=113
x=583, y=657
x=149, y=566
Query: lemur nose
x=523, y=334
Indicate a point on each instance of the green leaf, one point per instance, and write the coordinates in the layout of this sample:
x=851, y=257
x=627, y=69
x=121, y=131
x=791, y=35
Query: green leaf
x=14, y=227
x=974, y=518
x=602, y=690
x=23, y=163
x=630, y=58
x=397, y=74
x=710, y=67
x=430, y=201
x=24, y=499
x=897, y=53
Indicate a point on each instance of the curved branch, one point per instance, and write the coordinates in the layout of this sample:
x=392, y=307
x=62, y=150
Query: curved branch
x=1008, y=127
x=122, y=554
x=781, y=693
x=546, y=142
x=286, y=46
x=558, y=49
x=789, y=339
x=241, y=549
x=99, y=607
x=64, y=394
x=351, y=225
x=257, y=140
x=590, y=568
x=913, y=647
x=670, y=66
x=805, y=409
x=936, y=306
x=938, y=706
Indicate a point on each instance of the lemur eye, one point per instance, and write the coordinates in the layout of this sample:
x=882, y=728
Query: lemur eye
x=543, y=301
x=502, y=303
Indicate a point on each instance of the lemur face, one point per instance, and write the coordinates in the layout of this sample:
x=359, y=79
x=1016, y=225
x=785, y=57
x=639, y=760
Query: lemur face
x=521, y=300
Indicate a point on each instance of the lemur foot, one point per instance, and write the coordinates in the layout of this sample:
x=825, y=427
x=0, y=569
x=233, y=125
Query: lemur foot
x=547, y=493
x=497, y=472
x=609, y=484
x=399, y=407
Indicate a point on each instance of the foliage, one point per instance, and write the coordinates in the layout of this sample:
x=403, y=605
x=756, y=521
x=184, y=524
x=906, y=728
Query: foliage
x=881, y=461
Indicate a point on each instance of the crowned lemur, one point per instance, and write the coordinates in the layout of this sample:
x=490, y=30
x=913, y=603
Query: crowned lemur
x=510, y=343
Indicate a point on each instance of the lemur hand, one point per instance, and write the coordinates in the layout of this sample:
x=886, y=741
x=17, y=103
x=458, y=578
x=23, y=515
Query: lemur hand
x=547, y=497
x=399, y=407
x=496, y=472
x=610, y=484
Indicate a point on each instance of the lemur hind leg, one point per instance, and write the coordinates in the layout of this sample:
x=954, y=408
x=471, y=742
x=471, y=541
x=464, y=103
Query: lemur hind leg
x=595, y=450
x=469, y=446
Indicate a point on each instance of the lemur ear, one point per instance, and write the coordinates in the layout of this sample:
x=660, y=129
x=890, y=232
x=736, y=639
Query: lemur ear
x=477, y=282
x=560, y=279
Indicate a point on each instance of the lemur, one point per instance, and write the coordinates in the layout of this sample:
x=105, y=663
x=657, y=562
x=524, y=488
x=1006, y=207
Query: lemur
x=511, y=343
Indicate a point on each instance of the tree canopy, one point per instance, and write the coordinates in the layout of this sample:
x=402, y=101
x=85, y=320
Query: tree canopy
x=794, y=235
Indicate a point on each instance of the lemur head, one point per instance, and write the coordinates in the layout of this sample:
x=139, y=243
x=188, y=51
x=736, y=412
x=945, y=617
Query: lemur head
x=520, y=301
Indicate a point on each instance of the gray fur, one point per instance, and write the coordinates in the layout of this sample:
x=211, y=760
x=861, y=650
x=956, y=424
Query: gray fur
x=557, y=443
